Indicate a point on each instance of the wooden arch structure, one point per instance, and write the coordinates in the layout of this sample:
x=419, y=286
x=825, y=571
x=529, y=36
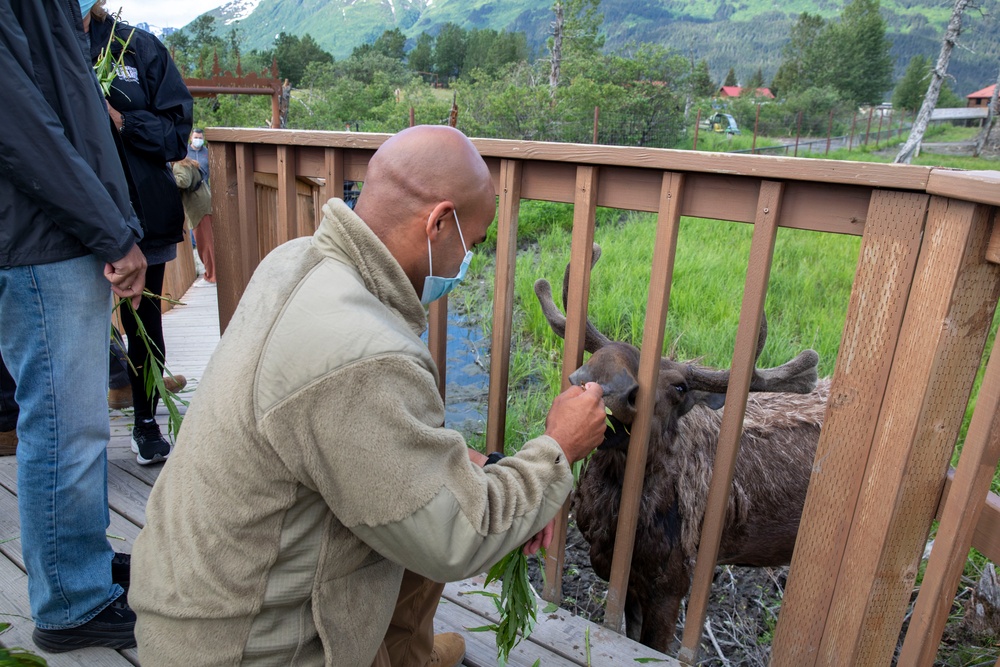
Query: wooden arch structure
x=226, y=83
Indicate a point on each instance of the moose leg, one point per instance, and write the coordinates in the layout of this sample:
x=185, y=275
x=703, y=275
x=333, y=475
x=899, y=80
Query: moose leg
x=633, y=616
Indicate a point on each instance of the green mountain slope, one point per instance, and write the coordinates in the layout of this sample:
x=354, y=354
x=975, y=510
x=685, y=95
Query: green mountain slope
x=743, y=34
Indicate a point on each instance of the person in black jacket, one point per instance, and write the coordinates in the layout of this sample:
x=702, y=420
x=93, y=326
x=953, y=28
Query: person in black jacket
x=151, y=111
x=65, y=219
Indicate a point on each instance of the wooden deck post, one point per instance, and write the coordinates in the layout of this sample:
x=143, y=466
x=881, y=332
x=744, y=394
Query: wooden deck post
x=503, y=303
x=234, y=219
x=664, y=252
x=765, y=233
x=882, y=280
x=581, y=252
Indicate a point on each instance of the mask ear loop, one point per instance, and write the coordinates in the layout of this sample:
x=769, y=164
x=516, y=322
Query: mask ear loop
x=430, y=257
x=460, y=236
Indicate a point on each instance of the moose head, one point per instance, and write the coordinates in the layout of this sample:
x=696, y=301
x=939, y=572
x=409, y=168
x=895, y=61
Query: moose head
x=680, y=387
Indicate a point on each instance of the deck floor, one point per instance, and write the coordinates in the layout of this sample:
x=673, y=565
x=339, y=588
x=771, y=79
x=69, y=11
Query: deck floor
x=191, y=332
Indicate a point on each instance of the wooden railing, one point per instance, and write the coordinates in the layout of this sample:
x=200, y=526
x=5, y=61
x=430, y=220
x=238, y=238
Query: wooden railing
x=925, y=290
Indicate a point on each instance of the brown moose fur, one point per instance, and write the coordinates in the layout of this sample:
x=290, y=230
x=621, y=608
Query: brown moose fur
x=769, y=486
x=780, y=433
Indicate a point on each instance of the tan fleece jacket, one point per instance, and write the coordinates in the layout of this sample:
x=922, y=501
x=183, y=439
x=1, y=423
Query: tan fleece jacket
x=312, y=467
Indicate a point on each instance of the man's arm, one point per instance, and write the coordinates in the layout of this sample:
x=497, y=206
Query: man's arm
x=366, y=438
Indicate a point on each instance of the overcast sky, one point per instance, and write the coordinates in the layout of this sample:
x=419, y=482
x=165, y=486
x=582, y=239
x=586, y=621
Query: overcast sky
x=161, y=13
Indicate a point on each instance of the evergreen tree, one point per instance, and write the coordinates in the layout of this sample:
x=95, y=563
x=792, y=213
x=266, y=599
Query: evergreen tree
x=856, y=53
x=795, y=72
x=731, y=78
x=391, y=44
x=701, y=80
x=910, y=91
x=421, y=56
x=755, y=82
x=294, y=55
x=449, y=50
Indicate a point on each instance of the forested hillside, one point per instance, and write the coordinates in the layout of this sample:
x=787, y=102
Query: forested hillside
x=745, y=34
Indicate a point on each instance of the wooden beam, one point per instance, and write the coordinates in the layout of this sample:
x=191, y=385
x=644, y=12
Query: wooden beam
x=581, y=252
x=886, y=263
x=993, y=249
x=960, y=514
x=948, y=315
x=333, y=179
x=503, y=303
x=744, y=359
x=978, y=186
x=287, y=218
x=664, y=252
x=437, y=340
x=906, y=177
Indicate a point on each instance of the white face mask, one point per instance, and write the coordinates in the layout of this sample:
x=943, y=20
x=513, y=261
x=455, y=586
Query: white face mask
x=197, y=142
x=436, y=287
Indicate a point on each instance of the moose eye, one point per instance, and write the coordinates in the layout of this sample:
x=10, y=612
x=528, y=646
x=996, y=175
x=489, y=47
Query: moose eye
x=680, y=389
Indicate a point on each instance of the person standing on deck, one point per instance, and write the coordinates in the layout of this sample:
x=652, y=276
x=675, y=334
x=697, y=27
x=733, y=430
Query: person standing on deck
x=68, y=240
x=314, y=496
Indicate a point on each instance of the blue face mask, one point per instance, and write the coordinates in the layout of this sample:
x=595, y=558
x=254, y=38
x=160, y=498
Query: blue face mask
x=436, y=287
x=85, y=6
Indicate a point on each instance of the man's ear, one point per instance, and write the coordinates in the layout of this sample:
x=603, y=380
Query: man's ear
x=439, y=216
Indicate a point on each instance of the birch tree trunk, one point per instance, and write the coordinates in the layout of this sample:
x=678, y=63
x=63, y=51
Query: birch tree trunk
x=993, y=109
x=557, y=36
x=911, y=148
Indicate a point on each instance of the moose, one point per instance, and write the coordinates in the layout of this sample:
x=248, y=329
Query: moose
x=781, y=429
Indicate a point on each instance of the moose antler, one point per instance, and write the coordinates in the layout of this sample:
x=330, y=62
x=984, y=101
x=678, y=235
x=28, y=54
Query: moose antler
x=797, y=376
x=594, y=339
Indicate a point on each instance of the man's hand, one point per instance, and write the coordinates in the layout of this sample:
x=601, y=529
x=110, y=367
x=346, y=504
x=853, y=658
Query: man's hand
x=542, y=538
x=576, y=420
x=128, y=275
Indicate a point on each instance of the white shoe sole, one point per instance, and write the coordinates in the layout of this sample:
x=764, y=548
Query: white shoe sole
x=144, y=461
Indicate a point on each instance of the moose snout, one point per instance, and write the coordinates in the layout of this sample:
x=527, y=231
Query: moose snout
x=619, y=391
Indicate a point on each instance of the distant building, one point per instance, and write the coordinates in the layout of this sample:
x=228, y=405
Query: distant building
x=980, y=98
x=736, y=91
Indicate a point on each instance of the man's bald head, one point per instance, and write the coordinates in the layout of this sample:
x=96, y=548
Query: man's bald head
x=419, y=183
x=418, y=168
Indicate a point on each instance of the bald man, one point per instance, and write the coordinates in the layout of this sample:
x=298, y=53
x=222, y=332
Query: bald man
x=314, y=495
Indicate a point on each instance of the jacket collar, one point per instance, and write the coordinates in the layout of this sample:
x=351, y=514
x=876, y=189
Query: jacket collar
x=345, y=237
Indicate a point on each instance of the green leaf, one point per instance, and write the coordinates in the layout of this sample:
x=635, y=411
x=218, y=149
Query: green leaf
x=483, y=628
x=550, y=607
x=645, y=660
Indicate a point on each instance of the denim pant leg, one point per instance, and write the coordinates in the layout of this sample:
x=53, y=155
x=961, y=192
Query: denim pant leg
x=56, y=326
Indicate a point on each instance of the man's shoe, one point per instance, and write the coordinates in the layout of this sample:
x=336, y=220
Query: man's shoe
x=113, y=627
x=120, y=398
x=148, y=443
x=8, y=442
x=121, y=569
x=175, y=383
x=449, y=650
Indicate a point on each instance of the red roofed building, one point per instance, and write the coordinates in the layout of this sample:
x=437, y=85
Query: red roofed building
x=736, y=91
x=980, y=98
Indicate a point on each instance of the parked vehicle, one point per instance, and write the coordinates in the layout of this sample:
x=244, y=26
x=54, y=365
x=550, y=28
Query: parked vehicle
x=722, y=122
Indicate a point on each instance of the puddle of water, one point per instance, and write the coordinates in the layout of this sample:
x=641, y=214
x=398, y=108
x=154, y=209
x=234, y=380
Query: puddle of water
x=467, y=376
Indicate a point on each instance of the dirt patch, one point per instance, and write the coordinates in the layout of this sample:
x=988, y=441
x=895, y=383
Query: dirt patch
x=742, y=612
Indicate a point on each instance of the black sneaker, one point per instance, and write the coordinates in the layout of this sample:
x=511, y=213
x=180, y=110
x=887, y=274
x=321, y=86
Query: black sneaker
x=148, y=443
x=121, y=569
x=113, y=627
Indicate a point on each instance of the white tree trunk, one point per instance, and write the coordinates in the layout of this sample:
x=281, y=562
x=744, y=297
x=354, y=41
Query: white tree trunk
x=993, y=109
x=912, y=145
x=557, y=36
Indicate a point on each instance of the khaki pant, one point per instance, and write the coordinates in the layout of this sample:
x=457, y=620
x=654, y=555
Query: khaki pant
x=410, y=638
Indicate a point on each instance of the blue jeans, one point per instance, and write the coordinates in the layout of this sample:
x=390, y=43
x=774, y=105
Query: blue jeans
x=54, y=330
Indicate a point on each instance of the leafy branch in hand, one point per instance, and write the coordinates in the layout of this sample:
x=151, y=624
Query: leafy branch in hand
x=153, y=370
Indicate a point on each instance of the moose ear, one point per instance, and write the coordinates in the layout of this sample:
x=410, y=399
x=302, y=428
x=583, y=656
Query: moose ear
x=709, y=399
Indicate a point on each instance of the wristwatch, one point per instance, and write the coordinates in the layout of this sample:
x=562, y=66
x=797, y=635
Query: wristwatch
x=493, y=458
